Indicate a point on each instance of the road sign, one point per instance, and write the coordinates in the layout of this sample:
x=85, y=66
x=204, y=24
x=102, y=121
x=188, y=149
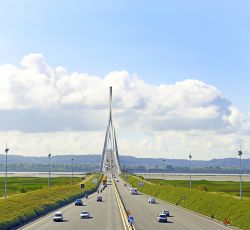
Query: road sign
x=131, y=219
x=94, y=181
x=82, y=186
x=140, y=184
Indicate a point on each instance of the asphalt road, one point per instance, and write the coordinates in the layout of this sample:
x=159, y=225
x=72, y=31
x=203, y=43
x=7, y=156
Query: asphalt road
x=145, y=214
x=104, y=215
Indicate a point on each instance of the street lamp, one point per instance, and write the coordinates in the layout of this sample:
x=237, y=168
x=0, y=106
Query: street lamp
x=163, y=160
x=49, y=171
x=72, y=160
x=190, y=176
x=6, y=171
x=240, y=153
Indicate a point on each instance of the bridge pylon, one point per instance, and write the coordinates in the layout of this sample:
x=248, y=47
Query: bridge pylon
x=110, y=155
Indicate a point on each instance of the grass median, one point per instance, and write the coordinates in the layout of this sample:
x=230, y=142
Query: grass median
x=20, y=208
x=216, y=205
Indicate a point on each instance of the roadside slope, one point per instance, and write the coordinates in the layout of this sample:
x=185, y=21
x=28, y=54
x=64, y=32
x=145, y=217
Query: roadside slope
x=213, y=205
x=21, y=208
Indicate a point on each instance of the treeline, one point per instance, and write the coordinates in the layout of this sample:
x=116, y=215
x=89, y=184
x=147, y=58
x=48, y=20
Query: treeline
x=87, y=167
x=172, y=169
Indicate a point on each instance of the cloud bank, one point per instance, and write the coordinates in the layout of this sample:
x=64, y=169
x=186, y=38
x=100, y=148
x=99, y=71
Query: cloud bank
x=37, y=100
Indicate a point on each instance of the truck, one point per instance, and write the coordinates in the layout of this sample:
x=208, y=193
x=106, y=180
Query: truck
x=133, y=191
x=104, y=180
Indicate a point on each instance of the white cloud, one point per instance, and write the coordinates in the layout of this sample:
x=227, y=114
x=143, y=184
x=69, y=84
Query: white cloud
x=37, y=100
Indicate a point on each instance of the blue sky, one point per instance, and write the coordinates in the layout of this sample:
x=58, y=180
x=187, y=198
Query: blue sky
x=162, y=42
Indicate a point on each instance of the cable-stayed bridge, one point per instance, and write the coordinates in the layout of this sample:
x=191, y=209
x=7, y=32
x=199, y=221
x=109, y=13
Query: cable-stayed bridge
x=110, y=214
x=110, y=155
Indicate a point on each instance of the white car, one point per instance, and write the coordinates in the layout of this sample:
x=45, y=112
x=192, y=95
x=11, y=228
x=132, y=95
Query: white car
x=165, y=211
x=162, y=218
x=58, y=216
x=84, y=214
x=151, y=200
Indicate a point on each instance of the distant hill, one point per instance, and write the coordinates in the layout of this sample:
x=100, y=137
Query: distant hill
x=126, y=161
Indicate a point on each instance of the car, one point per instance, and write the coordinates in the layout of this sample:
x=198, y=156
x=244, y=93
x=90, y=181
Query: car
x=99, y=199
x=84, y=214
x=162, y=218
x=117, y=180
x=78, y=202
x=151, y=200
x=58, y=216
x=133, y=191
x=165, y=211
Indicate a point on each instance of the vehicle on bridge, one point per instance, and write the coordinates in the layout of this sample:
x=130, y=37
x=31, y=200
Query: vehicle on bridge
x=151, y=200
x=58, y=216
x=133, y=191
x=78, y=202
x=99, y=199
x=84, y=214
x=104, y=180
x=165, y=211
x=162, y=218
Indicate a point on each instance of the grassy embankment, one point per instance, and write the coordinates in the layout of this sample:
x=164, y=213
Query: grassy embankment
x=20, y=208
x=228, y=187
x=218, y=205
x=27, y=184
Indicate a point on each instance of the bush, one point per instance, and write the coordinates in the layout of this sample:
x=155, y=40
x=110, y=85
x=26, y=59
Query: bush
x=22, y=190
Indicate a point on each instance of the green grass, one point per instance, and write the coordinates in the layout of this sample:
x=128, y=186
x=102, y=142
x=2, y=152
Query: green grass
x=26, y=184
x=20, y=208
x=218, y=205
x=228, y=187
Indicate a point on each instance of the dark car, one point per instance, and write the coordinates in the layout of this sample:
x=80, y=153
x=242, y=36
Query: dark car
x=78, y=202
x=99, y=199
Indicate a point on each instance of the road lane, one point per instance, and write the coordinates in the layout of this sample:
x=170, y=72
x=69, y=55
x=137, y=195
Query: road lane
x=145, y=214
x=104, y=215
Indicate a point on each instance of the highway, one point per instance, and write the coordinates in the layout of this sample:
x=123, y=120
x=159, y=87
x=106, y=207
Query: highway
x=104, y=215
x=145, y=214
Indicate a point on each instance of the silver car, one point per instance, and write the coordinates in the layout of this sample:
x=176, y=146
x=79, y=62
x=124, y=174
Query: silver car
x=84, y=214
x=151, y=200
x=165, y=211
x=58, y=216
x=162, y=218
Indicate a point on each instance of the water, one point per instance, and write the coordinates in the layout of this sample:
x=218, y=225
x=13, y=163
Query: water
x=196, y=176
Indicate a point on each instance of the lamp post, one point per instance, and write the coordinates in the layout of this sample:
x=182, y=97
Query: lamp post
x=6, y=172
x=240, y=153
x=163, y=160
x=49, y=171
x=72, y=160
x=190, y=173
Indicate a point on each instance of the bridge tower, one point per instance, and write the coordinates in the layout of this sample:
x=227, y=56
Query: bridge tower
x=110, y=155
